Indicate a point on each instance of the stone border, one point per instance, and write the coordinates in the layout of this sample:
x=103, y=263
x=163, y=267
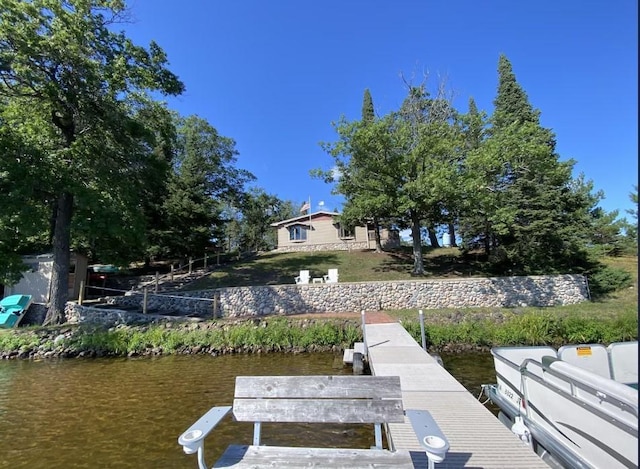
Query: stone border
x=235, y=302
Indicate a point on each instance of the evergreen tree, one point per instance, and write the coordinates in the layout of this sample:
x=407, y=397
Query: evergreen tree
x=205, y=178
x=538, y=216
x=368, y=113
x=630, y=240
x=511, y=104
x=368, y=117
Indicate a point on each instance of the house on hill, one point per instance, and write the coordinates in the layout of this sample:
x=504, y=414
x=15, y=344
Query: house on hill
x=321, y=231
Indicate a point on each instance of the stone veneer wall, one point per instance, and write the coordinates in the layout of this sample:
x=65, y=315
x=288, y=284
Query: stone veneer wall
x=338, y=246
x=357, y=296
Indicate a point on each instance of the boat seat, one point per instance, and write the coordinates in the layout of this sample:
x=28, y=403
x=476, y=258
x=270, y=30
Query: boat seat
x=592, y=357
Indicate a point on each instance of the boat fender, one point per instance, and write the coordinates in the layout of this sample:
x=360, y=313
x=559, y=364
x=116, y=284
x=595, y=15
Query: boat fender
x=521, y=430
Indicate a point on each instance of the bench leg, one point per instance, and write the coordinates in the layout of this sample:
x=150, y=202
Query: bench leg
x=257, y=426
x=378, y=430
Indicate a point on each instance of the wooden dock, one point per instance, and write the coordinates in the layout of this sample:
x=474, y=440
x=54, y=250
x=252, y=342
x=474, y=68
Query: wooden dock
x=477, y=438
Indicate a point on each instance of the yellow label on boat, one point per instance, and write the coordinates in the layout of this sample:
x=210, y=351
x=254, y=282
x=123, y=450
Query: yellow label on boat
x=584, y=351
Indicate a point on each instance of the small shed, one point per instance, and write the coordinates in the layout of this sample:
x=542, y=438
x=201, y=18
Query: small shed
x=36, y=280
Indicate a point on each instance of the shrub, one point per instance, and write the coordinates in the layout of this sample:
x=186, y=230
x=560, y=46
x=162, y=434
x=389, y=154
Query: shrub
x=607, y=280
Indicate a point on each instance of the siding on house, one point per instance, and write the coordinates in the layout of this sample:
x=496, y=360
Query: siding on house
x=323, y=234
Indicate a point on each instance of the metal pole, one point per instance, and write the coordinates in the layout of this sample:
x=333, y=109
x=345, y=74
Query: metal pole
x=364, y=335
x=205, y=261
x=157, y=281
x=144, y=300
x=422, y=334
x=172, y=272
x=190, y=265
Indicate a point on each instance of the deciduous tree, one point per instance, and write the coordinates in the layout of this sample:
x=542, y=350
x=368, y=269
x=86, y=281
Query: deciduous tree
x=64, y=66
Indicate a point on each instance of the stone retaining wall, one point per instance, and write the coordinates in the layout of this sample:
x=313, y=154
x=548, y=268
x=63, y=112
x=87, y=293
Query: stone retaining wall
x=370, y=296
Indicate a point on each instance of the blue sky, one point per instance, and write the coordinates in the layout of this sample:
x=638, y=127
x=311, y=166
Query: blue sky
x=274, y=75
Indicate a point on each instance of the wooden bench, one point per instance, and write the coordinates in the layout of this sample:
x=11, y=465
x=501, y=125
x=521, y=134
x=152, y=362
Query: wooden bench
x=373, y=400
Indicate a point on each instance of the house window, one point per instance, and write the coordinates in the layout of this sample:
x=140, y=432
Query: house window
x=345, y=231
x=297, y=233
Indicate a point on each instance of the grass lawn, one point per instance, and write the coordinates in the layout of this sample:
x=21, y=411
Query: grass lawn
x=620, y=303
x=281, y=268
x=355, y=266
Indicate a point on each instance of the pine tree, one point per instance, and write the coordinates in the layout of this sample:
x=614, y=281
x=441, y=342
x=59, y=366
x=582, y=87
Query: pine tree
x=475, y=201
x=368, y=117
x=537, y=214
x=511, y=103
x=368, y=114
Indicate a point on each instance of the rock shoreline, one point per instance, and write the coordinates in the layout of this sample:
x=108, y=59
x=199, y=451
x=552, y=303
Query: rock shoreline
x=66, y=341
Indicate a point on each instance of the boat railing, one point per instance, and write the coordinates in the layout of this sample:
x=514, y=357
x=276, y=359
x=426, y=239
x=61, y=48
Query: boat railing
x=601, y=395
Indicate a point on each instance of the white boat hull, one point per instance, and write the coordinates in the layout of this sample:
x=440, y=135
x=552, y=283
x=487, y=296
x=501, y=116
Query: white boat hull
x=581, y=417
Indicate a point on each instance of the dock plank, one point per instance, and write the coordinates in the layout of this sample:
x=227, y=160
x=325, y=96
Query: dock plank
x=477, y=438
x=269, y=457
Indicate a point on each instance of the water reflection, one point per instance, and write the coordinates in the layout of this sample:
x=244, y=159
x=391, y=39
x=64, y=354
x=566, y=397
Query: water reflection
x=472, y=370
x=128, y=413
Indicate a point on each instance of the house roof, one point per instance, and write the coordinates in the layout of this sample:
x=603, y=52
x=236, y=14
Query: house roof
x=303, y=218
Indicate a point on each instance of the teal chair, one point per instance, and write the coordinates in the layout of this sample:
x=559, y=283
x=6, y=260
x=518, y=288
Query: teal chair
x=8, y=320
x=12, y=309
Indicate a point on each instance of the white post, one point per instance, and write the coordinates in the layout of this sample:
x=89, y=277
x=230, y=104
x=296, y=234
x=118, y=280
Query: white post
x=364, y=335
x=422, y=334
x=81, y=293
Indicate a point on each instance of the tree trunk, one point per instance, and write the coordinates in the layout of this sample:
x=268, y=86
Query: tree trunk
x=376, y=228
x=61, y=260
x=418, y=266
x=433, y=239
x=452, y=235
x=487, y=239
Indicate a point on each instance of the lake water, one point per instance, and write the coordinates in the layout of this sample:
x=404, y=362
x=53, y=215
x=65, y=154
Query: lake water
x=128, y=413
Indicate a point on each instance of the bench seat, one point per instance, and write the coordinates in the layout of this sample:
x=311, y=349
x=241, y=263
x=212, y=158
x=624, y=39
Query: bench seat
x=372, y=400
x=269, y=457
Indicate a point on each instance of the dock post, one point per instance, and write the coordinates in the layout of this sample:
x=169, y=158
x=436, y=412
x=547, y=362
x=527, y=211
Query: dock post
x=422, y=334
x=157, y=281
x=190, y=265
x=216, y=299
x=171, y=272
x=364, y=335
x=144, y=300
x=81, y=293
x=358, y=363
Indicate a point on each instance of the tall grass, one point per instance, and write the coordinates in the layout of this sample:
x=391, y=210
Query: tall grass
x=274, y=334
x=531, y=328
